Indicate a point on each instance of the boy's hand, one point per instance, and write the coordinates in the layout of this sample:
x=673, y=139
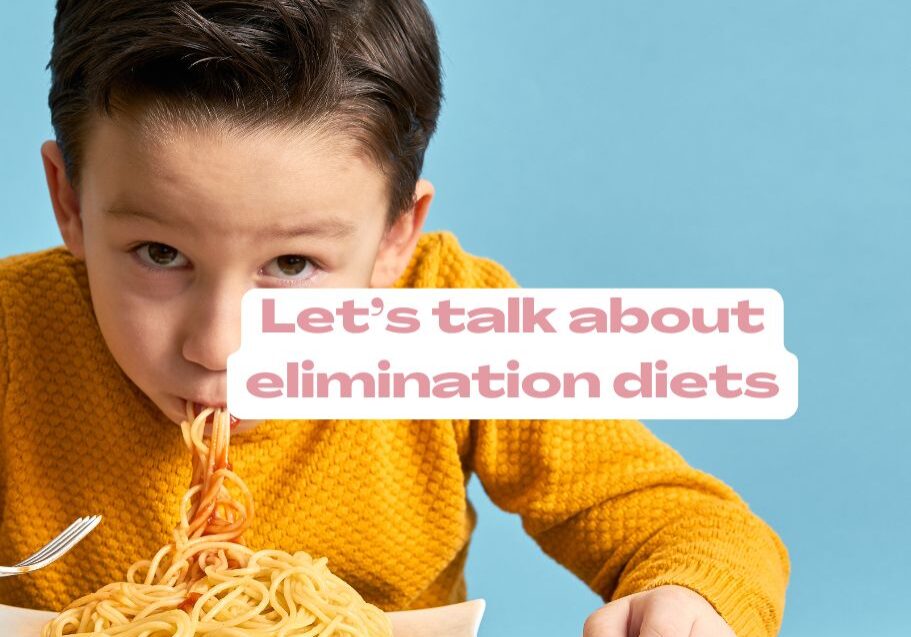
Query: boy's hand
x=665, y=611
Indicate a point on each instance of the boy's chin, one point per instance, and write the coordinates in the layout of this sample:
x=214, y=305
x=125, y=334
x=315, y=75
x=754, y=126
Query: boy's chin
x=240, y=426
x=237, y=427
x=177, y=416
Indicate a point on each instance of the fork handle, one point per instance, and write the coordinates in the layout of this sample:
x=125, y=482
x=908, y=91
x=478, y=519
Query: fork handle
x=9, y=571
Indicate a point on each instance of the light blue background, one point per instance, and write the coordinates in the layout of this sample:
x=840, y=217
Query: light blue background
x=670, y=144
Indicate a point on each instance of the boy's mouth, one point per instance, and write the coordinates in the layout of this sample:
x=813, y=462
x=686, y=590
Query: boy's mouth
x=198, y=408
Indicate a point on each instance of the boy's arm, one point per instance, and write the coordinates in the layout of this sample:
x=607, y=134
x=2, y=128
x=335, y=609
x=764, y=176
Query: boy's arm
x=4, y=381
x=625, y=513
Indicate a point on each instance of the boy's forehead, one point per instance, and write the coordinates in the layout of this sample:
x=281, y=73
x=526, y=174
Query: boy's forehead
x=167, y=145
x=216, y=163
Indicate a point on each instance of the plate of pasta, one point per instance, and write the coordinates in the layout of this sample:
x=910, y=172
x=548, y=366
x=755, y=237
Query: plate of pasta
x=455, y=620
x=207, y=581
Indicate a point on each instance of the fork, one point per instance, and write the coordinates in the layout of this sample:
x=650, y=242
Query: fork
x=54, y=549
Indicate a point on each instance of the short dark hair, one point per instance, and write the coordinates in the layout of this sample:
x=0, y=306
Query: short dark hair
x=370, y=68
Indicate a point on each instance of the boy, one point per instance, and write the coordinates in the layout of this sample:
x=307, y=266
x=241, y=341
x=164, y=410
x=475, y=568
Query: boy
x=207, y=147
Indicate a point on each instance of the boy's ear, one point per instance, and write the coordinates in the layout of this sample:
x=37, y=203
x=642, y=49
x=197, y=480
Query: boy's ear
x=400, y=240
x=63, y=198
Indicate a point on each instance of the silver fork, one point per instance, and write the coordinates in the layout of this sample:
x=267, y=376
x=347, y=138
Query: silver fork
x=54, y=549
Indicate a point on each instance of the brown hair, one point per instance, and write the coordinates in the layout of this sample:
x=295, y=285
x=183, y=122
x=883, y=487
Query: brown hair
x=367, y=68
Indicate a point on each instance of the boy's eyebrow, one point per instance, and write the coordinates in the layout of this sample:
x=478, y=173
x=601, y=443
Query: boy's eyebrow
x=329, y=227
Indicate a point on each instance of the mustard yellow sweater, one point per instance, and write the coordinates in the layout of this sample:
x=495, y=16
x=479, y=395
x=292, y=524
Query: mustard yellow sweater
x=385, y=500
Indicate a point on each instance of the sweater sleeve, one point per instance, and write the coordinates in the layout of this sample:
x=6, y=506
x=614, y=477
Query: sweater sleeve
x=625, y=513
x=4, y=382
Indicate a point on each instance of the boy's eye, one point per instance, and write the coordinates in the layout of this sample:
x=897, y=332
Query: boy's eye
x=290, y=265
x=160, y=255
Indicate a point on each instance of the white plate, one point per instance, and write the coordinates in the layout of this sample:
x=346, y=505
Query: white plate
x=455, y=620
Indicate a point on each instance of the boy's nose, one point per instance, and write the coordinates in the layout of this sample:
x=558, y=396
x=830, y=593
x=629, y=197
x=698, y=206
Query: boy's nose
x=212, y=331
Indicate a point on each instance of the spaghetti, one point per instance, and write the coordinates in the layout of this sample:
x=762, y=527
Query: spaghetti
x=208, y=582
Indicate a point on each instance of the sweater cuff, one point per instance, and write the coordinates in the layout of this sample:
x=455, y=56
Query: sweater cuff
x=748, y=611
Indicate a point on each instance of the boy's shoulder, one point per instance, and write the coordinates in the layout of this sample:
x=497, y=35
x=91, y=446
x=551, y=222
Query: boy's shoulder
x=46, y=316
x=439, y=261
x=57, y=257
x=43, y=274
x=43, y=293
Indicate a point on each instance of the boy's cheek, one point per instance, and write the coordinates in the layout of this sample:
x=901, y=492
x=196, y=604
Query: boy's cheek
x=137, y=335
x=143, y=336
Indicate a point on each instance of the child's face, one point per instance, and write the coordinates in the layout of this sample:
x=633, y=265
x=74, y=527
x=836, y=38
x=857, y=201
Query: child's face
x=174, y=231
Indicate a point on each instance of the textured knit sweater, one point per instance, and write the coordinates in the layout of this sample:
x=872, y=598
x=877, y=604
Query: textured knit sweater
x=385, y=500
